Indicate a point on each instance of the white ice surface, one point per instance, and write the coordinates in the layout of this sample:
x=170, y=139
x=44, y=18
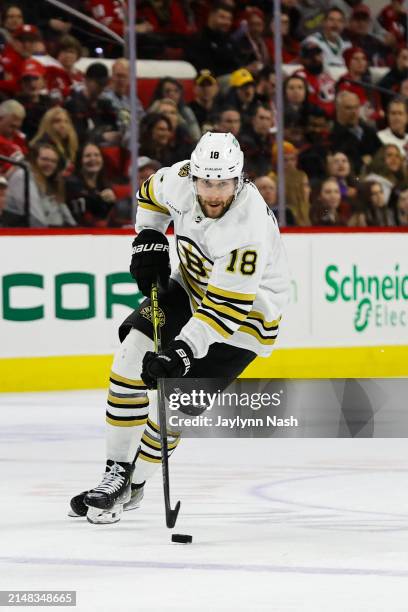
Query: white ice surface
x=278, y=525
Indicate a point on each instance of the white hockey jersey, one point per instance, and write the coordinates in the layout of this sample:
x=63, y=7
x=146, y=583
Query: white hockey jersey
x=233, y=268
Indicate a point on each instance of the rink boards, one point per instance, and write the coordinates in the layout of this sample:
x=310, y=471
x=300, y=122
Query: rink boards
x=62, y=296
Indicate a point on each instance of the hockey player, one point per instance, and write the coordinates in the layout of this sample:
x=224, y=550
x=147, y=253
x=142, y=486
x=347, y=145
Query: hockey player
x=220, y=308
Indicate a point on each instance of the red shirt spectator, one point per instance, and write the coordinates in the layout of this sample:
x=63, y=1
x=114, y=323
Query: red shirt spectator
x=357, y=64
x=321, y=85
x=109, y=13
x=167, y=17
x=14, y=55
x=393, y=19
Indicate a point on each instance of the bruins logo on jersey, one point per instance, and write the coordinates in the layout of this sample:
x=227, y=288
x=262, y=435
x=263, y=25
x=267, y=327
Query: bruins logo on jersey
x=146, y=312
x=184, y=170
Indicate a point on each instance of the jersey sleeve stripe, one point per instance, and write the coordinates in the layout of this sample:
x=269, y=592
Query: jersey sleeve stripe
x=219, y=317
x=147, y=199
x=247, y=328
x=232, y=296
x=267, y=325
x=213, y=322
x=228, y=310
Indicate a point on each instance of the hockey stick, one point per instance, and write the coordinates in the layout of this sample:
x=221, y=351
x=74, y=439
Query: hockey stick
x=171, y=514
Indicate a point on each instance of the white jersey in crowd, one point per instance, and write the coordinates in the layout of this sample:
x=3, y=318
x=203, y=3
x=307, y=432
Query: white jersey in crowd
x=233, y=268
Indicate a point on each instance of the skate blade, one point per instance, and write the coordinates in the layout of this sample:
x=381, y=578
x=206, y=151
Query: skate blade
x=75, y=515
x=96, y=516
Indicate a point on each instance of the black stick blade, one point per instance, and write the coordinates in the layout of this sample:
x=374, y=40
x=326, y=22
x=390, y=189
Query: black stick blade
x=171, y=516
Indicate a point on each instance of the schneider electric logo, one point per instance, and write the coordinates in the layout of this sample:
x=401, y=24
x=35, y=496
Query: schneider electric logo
x=380, y=300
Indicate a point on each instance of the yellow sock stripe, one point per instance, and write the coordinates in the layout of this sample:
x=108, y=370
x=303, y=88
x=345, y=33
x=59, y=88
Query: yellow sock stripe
x=135, y=383
x=228, y=310
x=156, y=428
x=157, y=445
x=135, y=401
x=232, y=295
x=206, y=319
x=149, y=458
x=133, y=423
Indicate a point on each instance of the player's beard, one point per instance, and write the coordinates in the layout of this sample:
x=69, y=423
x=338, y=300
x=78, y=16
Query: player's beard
x=215, y=210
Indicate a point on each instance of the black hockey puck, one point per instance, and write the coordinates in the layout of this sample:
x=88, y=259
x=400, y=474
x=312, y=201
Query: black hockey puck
x=181, y=538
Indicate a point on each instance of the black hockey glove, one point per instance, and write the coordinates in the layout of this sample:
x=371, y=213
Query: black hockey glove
x=174, y=362
x=150, y=260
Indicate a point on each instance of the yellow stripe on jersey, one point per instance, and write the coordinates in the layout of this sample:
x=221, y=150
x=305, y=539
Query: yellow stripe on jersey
x=252, y=331
x=226, y=308
x=224, y=331
x=267, y=325
x=232, y=296
x=195, y=290
x=147, y=199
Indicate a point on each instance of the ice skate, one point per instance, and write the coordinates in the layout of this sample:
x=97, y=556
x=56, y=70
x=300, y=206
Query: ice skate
x=78, y=508
x=105, y=502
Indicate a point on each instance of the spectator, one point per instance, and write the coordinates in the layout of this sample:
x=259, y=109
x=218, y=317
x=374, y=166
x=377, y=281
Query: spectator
x=325, y=210
x=82, y=104
x=205, y=93
x=316, y=146
x=114, y=106
x=60, y=79
x=146, y=167
x=256, y=141
x=358, y=81
x=12, y=115
x=401, y=209
x=250, y=37
x=241, y=94
x=3, y=195
x=57, y=129
x=90, y=197
x=395, y=76
x=330, y=38
x=214, y=48
x=47, y=206
x=265, y=88
x=359, y=33
x=229, y=120
x=351, y=135
x=173, y=89
x=12, y=20
x=296, y=100
x=297, y=196
x=20, y=48
x=339, y=167
x=168, y=19
x=33, y=97
x=266, y=186
x=290, y=155
x=320, y=83
x=389, y=168
x=180, y=140
x=374, y=210
x=397, y=119
x=393, y=18
x=156, y=133
x=290, y=45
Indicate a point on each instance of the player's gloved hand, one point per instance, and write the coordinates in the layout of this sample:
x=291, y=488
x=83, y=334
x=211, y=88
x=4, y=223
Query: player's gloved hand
x=150, y=260
x=174, y=362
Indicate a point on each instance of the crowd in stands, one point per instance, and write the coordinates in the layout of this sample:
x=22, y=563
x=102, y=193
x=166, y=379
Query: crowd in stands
x=345, y=133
